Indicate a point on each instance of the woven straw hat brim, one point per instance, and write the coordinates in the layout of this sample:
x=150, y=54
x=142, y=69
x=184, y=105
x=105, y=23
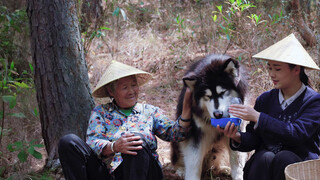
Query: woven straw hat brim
x=288, y=50
x=115, y=71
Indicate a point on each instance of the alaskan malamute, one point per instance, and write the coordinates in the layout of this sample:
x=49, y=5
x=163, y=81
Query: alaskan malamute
x=214, y=81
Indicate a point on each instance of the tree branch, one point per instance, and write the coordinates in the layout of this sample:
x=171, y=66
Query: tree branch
x=303, y=28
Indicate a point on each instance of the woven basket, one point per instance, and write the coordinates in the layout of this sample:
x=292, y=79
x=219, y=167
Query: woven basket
x=306, y=170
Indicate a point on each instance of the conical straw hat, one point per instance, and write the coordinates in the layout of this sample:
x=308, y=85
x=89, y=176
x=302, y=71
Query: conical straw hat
x=288, y=50
x=115, y=71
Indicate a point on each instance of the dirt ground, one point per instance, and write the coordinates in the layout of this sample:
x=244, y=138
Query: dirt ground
x=164, y=47
x=162, y=91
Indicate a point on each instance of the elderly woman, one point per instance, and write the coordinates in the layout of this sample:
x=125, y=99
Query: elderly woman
x=284, y=124
x=121, y=136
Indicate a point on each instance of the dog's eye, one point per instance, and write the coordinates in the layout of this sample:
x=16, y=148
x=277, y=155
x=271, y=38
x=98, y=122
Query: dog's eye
x=222, y=92
x=206, y=98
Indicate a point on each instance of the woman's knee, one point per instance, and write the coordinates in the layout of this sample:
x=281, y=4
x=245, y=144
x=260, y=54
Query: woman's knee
x=141, y=154
x=264, y=159
x=66, y=141
x=286, y=157
x=282, y=160
x=267, y=157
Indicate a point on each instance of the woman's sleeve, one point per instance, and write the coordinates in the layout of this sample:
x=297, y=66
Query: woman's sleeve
x=249, y=139
x=166, y=129
x=96, y=132
x=304, y=127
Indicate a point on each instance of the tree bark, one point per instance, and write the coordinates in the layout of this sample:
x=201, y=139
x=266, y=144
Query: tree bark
x=302, y=27
x=91, y=12
x=317, y=26
x=61, y=77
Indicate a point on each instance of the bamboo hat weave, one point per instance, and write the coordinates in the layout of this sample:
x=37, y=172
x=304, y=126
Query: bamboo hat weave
x=288, y=50
x=115, y=71
x=306, y=170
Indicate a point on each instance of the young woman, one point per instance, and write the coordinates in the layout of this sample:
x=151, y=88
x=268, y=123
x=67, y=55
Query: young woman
x=284, y=124
x=121, y=137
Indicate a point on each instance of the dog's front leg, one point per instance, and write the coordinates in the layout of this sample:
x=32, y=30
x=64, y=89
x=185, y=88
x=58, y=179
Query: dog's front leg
x=237, y=161
x=193, y=158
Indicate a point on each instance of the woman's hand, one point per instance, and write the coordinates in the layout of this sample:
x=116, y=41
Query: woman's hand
x=126, y=144
x=231, y=131
x=244, y=112
x=186, y=109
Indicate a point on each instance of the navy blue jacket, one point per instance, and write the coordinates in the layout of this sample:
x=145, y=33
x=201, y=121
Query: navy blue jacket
x=297, y=128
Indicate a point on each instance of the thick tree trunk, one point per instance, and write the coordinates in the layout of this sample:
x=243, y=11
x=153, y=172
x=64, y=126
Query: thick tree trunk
x=61, y=78
x=302, y=27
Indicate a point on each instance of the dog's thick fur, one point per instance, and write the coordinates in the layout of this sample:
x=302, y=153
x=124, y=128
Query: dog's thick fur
x=214, y=81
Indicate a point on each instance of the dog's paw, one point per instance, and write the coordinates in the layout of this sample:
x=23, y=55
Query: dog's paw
x=238, y=177
x=226, y=170
x=180, y=172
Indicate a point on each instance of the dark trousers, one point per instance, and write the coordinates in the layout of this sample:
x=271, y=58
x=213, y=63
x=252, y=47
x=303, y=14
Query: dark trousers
x=80, y=162
x=266, y=165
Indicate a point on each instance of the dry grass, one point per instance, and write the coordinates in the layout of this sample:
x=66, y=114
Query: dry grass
x=151, y=40
x=164, y=50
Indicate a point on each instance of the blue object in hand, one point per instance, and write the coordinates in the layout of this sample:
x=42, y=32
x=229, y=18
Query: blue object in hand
x=222, y=122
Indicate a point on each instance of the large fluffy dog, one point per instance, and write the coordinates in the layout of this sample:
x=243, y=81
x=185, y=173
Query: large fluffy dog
x=214, y=81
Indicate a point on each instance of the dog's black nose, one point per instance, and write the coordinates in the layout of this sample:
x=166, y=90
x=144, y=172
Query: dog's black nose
x=218, y=114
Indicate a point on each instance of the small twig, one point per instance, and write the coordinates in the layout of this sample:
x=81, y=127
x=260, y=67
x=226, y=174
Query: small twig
x=2, y=122
x=228, y=46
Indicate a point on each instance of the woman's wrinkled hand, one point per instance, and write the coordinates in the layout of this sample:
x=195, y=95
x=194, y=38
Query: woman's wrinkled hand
x=244, y=112
x=128, y=143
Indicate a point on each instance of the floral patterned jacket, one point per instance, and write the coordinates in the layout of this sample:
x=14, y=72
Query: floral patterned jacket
x=107, y=124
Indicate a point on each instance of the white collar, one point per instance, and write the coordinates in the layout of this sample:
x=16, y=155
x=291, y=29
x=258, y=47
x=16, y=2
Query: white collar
x=285, y=103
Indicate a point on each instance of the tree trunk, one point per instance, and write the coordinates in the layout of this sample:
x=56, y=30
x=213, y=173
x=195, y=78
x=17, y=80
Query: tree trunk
x=91, y=14
x=61, y=77
x=317, y=26
x=302, y=27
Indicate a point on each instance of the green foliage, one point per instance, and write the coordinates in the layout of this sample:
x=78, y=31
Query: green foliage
x=10, y=23
x=12, y=83
x=239, y=5
x=233, y=15
x=99, y=29
x=24, y=149
x=89, y=36
x=256, y=19
x=117, y=11
x=180, y=23
x=180, y=26
x=10, y=99
x=276, y=18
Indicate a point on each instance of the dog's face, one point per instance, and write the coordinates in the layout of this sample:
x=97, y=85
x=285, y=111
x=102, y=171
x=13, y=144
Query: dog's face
x=213, y=89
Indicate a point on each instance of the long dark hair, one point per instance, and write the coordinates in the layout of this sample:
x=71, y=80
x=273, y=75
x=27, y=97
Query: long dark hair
x=303, y=76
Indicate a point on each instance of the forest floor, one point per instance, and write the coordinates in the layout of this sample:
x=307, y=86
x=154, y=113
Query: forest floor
x=162, y=91
x=163, y=41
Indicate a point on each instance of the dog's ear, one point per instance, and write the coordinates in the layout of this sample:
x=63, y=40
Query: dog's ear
x=232, y=67
x=190, y=80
